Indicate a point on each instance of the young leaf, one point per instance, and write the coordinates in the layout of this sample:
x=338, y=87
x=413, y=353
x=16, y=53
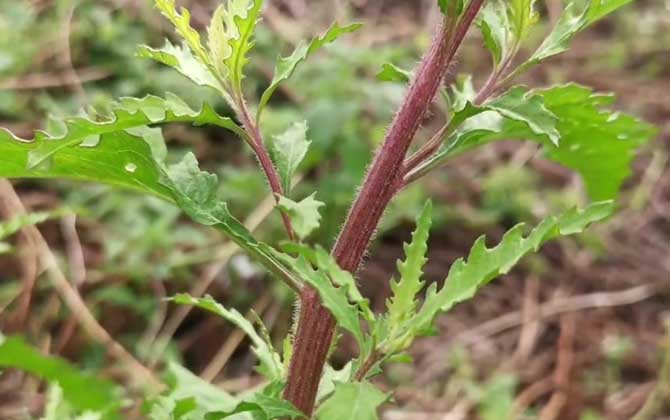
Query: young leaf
x=286, y=65
x=182, y=24
x=402, y=304
x=393, y=73
x=240, y=21
x=181, y=59
x=568, y=25
x=496, y=30
x=82, y=390
x=270, y=362
x=352, y=400
x=288, y=150
x=522, y=16
x=304, y=215
x=485, y=264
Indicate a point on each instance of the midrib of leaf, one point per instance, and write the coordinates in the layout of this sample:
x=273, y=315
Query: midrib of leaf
x=238, y=57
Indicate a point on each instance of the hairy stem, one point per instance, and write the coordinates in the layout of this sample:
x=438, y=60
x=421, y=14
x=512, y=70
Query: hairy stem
x=263, y=156
x=316, y=326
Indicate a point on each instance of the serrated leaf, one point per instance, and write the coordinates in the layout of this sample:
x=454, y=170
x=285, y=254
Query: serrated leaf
x=597, y=143
x=402, y=305
x=392, y=73
x=517, y=104
x=285, y=66
x=181, y=59
x=182, y=24
x=240, y=22
x=270, y=362
x=568, y=25
x=219, y=48
x=352, y=400
x=335, y=298
x=305, y=217
x=288, y=150
x=80, y=158
x=485, y=264
x=81, y=390
x=341, y=278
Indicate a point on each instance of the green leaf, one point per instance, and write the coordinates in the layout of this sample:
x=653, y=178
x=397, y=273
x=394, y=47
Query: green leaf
x=105, y=151
x=341, y=278
x=449, y=7
x=305, y=217
x=522, y=16
x=353, y=400
x=81, y=390
x=330, y=379
x=189, y=397
x=518, y=104
x=496, y=30
x=393, y=73
x=240, y=21
x=182, y=24
x=270, y=362
x=402, y=304
x=597, y=143
x=568, y=25
x=335, y=298
x=110, y=152
x=15, y=224
x=286, y=66
x=269, y=407
x=181, y=59
x=485, y=264
x=288, y=150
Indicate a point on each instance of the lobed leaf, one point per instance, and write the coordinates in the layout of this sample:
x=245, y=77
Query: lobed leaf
x=182, y=24
x=402, y=304
x=285, y=66
x=181, y=59
x=305, y=217
x=334, y=297
x=484, y=264
x=352, y=400
x=121, y=151
x=270, y=362
x=597, y=143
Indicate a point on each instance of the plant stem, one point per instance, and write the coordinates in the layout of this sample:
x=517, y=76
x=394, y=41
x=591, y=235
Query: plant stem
x=316, y=325
x=263, y=156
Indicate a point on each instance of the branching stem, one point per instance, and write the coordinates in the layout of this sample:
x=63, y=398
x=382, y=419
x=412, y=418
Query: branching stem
x=316, y=325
